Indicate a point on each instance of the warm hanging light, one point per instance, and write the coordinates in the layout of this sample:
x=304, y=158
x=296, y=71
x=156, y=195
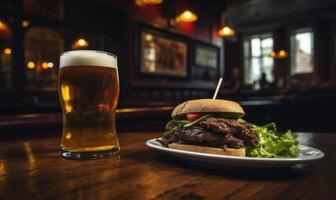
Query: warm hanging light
x=2, y=25
x=7, y=51
x=186, y=16
x=151, y=2
x=282, y=54
x=25, y=23
x=45, y=65
x=80, y=43
x=50, y=64
x=30, y=65
x=279, y=55
x=273, y=54
x=149, y=37
x=226, y=31
x=5, y=31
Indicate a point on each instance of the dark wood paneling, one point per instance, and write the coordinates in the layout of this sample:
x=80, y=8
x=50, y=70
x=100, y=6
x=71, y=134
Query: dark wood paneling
x=233, y=55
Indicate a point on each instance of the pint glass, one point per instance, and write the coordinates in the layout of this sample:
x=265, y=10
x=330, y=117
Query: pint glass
x=88, y=92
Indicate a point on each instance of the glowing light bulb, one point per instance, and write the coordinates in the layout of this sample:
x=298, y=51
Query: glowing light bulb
x=2, y=25
x=25, y=23
x=50, y=64
x=80, y=43
x=7, y=51
x=186, y=16
x=30, y=65
x=149, y=37
x=272, y=54
x=45, y=65
x=282, y=54
x=226, y=31
x=152, y=2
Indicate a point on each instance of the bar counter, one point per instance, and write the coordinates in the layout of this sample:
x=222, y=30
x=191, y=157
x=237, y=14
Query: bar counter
x=34, y=169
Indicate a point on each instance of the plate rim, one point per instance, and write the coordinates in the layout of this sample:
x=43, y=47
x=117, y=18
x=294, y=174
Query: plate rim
x=153, y=143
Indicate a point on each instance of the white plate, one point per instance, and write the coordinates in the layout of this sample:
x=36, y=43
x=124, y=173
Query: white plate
x=307, y=154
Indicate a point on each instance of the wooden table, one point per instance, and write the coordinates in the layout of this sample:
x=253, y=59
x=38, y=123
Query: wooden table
x=33, y=169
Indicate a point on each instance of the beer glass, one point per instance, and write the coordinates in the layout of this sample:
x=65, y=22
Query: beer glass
x=88, y=92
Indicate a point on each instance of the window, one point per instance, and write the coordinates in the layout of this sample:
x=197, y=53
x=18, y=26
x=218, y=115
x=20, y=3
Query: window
x=257, y=60
x=302, y=51
x=42, y=49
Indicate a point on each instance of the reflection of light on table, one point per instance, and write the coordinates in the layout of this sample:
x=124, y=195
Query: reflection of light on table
x=30, y=154
x=32, y=165
x=2, y=170
x=153, y=180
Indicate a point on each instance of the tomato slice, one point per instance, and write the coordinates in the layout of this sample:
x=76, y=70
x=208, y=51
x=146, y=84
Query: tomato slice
x=193, y=116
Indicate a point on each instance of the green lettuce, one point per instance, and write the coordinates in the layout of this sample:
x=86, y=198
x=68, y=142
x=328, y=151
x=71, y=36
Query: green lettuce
x=274, y=146
x=174, y=125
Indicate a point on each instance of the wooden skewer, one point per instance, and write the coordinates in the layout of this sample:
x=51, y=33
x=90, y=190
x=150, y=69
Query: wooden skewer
x=217, y=88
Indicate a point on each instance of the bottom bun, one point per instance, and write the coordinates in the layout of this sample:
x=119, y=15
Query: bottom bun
x=210, y=150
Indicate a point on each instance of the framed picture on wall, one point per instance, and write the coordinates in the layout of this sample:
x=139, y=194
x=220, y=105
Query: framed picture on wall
x=160, y=53
x=206, y=55
x=205, y=61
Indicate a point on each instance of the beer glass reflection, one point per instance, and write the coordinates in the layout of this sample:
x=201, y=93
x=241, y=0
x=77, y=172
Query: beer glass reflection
x=89, y=92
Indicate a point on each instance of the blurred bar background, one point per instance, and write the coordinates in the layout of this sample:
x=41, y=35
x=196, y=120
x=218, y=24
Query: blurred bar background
x=277, y=58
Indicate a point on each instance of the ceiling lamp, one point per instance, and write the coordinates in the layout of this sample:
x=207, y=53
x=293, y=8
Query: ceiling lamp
x=226, y=31
x=186, y=16
x=151, y=2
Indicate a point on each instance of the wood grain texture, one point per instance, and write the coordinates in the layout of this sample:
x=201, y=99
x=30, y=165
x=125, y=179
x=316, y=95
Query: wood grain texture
x=33, y=169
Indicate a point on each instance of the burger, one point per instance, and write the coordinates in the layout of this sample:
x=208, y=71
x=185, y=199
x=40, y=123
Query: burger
x=210, y=126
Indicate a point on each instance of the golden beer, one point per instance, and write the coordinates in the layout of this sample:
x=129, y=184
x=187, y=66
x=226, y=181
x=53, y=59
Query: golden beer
x=89, y=92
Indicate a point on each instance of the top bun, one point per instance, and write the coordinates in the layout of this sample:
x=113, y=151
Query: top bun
x=208, y=106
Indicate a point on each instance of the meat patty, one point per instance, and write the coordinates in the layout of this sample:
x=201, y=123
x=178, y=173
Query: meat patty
x=242, y=131
x=198, y=135
x=215, y=132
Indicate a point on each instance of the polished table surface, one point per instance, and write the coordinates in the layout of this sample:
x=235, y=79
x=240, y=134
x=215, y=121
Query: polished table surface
x=34, y=169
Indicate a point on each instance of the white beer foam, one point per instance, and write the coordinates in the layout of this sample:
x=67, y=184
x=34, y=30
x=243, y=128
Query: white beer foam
x=88, y=58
